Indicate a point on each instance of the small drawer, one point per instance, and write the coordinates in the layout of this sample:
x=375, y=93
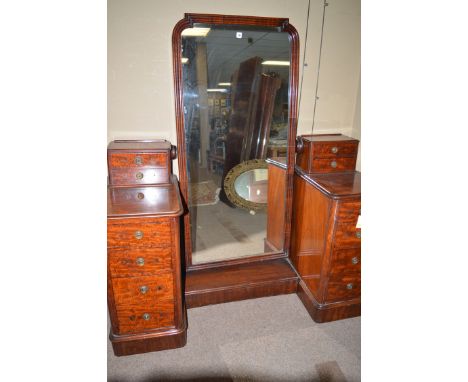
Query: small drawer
x=134, y=319
x=349, y=212
x=131, y=234
x=333, y=164
x=346, y=260
x=343, y=286
x=145, y=261
x=347, y=235
x=334, y=149
x=138, y=160
x=123, y=176
x=146, y=291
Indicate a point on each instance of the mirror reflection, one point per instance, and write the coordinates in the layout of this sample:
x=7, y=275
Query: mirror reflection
x=235, y=88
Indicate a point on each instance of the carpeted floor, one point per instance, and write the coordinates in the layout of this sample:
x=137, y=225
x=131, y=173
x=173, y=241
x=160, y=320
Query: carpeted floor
x=265, y=339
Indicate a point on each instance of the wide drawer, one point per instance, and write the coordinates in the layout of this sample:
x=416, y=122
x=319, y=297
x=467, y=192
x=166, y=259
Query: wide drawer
x=346, y=261
x=128, y=234
x=343, y=286
x=122, y=176
x=334, y=149
x=138, y=160
x=347, y=235
x=349, y=211
x=333, y=164
x=128, y=262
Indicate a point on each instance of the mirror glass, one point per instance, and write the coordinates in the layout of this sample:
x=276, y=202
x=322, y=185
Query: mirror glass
x=235, y=97
x=252, y=185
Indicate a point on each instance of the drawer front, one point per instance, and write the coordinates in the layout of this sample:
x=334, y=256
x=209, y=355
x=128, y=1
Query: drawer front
x=134, y=176
x=129, y=262
x=134, y=319
x=146, y=291
x=134, y=234
x=137, y=160
x=349, y=211
x=346, y=261
x=347, y=235
x=333, y=164
x=334, y=149
x=343, y=286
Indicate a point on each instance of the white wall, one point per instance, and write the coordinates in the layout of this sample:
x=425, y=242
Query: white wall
x=140, y=81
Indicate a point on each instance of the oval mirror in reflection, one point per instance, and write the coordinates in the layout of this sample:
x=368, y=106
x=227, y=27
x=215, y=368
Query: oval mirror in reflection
x=252, y=185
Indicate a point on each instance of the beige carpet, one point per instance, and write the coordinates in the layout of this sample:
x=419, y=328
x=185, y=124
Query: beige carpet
x=266, y=339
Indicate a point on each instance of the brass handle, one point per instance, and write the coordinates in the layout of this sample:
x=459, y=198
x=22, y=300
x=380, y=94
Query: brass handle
x=138, y=235
x=138, y=160
x=140, y=195
x=146, y=316
x=334, y=149
x=144, y=289
x=140, y=261
x=333, y=164
x=349, y=286
x=355, y=260
x=139, y=175
x=358, y=234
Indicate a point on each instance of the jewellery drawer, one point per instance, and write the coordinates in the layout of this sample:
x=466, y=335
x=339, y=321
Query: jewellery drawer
x=129, y=233
x=335, y=149
x=343, y=286
x=143, y=291
x=138, y=160
x=346, y=260
x=133, y=318
x=347, y=235
x=349, y=211
x=122, y=176
x=129, y=262
x=333, y=164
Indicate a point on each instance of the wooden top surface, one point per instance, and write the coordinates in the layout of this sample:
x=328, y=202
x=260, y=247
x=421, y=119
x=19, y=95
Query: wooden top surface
x=278, y=161
x=140, y=145
x=327, y=138
x=335, y=185
x=157, y=201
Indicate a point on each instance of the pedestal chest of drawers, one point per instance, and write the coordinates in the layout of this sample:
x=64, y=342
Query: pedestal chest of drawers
x=326, y=243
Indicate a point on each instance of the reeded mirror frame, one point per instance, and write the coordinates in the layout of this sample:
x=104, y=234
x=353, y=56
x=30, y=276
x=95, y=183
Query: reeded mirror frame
x=283, y=25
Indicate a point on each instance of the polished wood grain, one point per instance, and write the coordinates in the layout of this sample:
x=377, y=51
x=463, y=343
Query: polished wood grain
x=283, y=25
x=323, y=153
x=126, y=262
x=239, y=282
x=122, y=176
x=275, y=208
x=326, y=243
x=138, y=160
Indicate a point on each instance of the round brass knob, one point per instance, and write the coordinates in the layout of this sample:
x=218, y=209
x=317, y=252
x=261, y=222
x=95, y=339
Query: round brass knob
x=140, y=195
x=333, y=164
x=139, y=175
x=146, y=316
x=355, y=260
x=140, y=261
x=358, y=234
x=334, y=149
x=144, y=289
x=138, y=235
x=349, y=286
x=138, y=161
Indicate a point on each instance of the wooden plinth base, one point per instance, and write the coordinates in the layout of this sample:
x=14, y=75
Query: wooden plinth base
x=327, y=312
x=239, y=282
x=147, y=342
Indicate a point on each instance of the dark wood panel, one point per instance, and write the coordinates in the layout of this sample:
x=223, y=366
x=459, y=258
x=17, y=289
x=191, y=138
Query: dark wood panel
x=335, y=149
x=138, y=160
x=349, y=211
x=134, y=233
x=239, y=282
x=343, y=286
x=333, y=164
x=347, y=235
x=133, y=262
x=123, y=176
x=276, y=205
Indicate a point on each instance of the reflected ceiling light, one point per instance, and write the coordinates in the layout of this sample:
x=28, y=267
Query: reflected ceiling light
x=198, y=32
x=276, y=63
x=224, y=84
x=217, y=90
x=184, y=60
